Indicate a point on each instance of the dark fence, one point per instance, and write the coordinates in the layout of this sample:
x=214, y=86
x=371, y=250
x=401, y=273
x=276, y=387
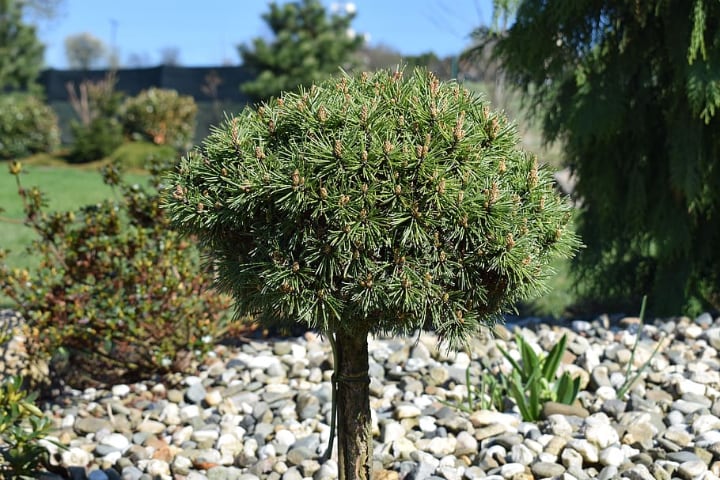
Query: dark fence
x=216, y=90
x=194, y=81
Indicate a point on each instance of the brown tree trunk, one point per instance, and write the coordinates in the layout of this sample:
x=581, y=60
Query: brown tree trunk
x=353, y=405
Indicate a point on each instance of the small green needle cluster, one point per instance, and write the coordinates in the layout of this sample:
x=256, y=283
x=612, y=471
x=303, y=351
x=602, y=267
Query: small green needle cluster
x=373, y=203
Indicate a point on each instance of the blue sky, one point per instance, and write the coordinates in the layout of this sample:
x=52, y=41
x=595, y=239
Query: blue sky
x=207, y=32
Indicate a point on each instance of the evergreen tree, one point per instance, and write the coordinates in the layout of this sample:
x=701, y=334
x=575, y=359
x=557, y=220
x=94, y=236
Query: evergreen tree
x=21, y=53
x=309, y=46
x=372, y=205
x=633, y=90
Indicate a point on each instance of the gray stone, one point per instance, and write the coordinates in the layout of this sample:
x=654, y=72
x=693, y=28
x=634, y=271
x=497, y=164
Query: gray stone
x=521, y=454
x=692, y=469
x=292, y=474
x=554, y=408
x=712, y=335
x=682, y=457
x=547, y=470
x=308, y=405
x=614, y=407
x=296, y=455
x=608, y=473
x=224, y=473
x=84, y=425
x=195, y=393
x=131, y=473
x=327, y=470
x=638, y=472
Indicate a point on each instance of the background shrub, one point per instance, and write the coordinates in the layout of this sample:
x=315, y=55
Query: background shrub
x=161, y=116
x=118, y=295
x=27, y=126
x=98, y=131
x=96, y=140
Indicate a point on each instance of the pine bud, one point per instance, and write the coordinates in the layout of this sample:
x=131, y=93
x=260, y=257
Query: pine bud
x=295, y=267
x=494, y=192
x=441, y=187
x=323, y=193
x=259, y=154
x=458, y=132
x=295, y=178
x=388, y=147
x=509, y=241
x=338, y=149
x=322, y=114
x=533, y=175
x=434, y=85
x=179, y=193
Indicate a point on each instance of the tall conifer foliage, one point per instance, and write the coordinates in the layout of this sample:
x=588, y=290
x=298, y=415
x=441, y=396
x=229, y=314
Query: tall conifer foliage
x=21, y=53
x=308, y=46
x=633, y=89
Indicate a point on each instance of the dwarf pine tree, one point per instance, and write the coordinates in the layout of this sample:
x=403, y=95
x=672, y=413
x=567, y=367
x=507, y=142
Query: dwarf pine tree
x=372, y=204
x=633, y=91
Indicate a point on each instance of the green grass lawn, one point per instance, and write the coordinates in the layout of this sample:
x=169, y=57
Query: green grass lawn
x=66, y=188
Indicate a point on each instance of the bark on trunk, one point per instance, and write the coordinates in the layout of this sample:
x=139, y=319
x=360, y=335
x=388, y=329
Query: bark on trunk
x=353, y=404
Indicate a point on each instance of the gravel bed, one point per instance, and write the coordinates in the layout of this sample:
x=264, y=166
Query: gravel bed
x=261, y=410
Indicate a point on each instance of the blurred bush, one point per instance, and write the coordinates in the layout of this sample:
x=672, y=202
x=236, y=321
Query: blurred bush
x=98, y=131
x=27, y=126
x=161, y=116
x=118, y=296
